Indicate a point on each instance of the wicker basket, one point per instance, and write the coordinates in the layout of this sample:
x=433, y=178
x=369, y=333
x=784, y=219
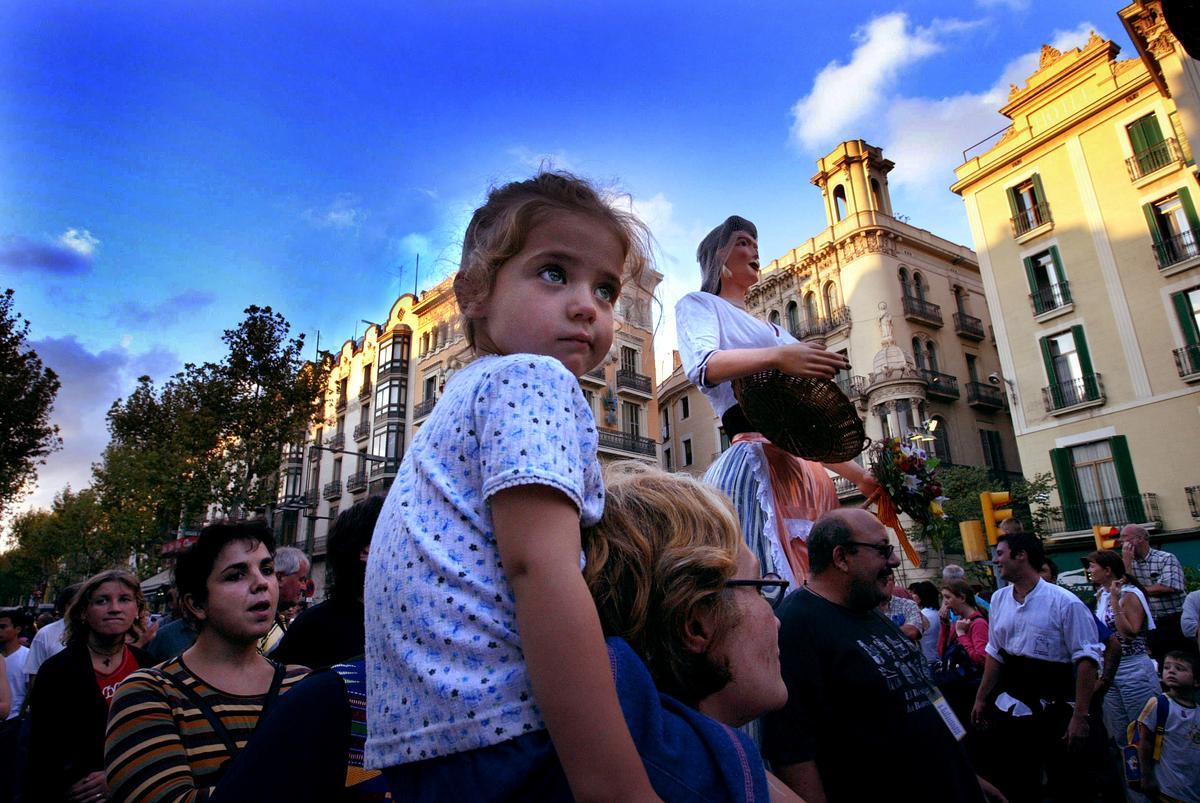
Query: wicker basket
x=811, y=418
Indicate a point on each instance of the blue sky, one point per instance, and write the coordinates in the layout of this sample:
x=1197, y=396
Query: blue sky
x=164, y=165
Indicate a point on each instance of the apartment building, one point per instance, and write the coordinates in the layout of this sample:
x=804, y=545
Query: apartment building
x=1083, y=212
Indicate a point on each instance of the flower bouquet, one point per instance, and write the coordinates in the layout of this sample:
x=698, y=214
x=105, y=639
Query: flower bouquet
x=907, y=478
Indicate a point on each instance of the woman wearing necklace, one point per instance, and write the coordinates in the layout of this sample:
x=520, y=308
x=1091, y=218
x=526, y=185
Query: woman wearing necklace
x=69, y=703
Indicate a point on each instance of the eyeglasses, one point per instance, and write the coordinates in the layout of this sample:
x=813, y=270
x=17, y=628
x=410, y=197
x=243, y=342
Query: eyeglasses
x=771, y=586
x=885, y=550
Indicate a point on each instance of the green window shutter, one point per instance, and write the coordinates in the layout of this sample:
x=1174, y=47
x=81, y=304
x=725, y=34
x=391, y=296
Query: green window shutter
x=1091, y=386
x=1137, y=136
x=1056, y=395
x=1068, y=489
x=1145, y=133
x=1155, y=231
x=1058, y=268
x=1183, y=308
x=1126, y=479
x=1011, y=195
x=1039, y=193
x=1189, y=209
x=1033, y=287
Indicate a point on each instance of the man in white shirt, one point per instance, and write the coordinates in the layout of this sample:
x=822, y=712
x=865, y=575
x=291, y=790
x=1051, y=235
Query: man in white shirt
x=48, y=640
x=1043, y=657
x=12, y=622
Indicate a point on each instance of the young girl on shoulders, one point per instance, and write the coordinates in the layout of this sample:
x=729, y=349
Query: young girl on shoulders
x=479, y=539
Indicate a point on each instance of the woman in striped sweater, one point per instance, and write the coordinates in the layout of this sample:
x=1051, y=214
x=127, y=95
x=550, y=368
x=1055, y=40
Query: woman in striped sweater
x=174, y=729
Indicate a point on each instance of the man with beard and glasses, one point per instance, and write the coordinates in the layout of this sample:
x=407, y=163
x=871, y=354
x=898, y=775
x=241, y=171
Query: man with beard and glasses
x=858, y=688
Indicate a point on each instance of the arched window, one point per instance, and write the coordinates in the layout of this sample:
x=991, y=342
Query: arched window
x=830, y=298
x=774, y=317
x=941, y=440
x=793, y=317
x=960, y=299
x=811, y=317
x=904, y=286
x=877, y=195
x=918, y=286
x=918, y=353
x=839, y=201
x=931, y=358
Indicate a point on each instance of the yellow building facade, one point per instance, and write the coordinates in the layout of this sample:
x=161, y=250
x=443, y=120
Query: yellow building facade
x=1083, y=213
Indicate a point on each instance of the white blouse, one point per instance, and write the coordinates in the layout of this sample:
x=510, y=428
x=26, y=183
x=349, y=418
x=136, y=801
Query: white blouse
x=707, y=324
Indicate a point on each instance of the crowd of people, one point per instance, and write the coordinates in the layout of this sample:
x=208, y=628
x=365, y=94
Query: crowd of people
x=514, y=622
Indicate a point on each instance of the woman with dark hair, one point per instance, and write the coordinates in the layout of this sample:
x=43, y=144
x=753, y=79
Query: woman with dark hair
x=175, y=728
x=1121, y=604
x=777, y=495
x=69, y=704
x=332, y=631
x=929, y=600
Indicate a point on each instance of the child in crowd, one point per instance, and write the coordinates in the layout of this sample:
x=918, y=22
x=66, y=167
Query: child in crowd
x=1169, y=747
x=479, y=538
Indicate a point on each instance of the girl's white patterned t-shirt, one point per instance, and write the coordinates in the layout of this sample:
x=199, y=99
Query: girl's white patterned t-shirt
x=445, y=671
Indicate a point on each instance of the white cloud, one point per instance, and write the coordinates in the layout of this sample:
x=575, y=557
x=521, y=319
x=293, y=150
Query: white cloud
x=81, y=241
x=1011, y=5
x=344, y=212
x=843, y=94
x=543, y=160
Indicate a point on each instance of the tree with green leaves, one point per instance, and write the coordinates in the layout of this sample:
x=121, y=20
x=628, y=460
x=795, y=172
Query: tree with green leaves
x=27, y=391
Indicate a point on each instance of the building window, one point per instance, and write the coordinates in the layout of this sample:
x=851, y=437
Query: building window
x=684, y=407
x=687, y=451
x=1069, y=369
x=839, y=202
x=341, y=425
x=723, y=438
x=391, y=396
x=918, y=353
x=1048, y=286
x=1173, y=228
x=629, y=359
x=918, y=286
x=589, y=396
x=876, y=195
x=830, y=298
x=667, y=464
x=905, y=290
x=993, y=451
x=430, y=388
x=632, y=415
x=793, y=317
x=665, y=429
x=972, y=368
x=810, y=310
x=1187, y=309
x=337, y=468
x=941, y=440
x=1027, y=202
x=931, y=357
x=1097, y=484
x=773, y=318
x=388, y=443
x=1150, y=151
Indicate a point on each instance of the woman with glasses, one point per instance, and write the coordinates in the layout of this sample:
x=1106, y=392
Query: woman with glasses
x=679, y=592
x=777, y=495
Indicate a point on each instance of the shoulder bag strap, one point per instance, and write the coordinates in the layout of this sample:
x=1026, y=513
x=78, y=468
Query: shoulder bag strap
x=213, y=720
x=273, y=692
x=1160, y=724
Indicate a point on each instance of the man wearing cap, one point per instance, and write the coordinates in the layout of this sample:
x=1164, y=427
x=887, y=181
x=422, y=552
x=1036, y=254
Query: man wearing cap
x=1161, y=577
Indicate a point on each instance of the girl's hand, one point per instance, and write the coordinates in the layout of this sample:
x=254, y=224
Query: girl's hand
x=944, y=612
x=960, y=627
x=808, y=361
x=868, y=485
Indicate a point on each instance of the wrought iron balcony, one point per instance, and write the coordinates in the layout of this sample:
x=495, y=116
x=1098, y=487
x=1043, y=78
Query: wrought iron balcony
x=596, y=375
x=1029, y=219
x=628, y=379
x=1050, y=298
x=1193, y=496
x=357, y=481
x=384, y=468
x=984, y=397
x=969, y=326
x=332, y=490
x=341, y=403
x=1156, y=157
x=293, y=459
x=626, y=442
x=337, y=441
x=1187, y=360
x=838, y=319
x=1116, y=511
x=941, y=386
x=424, y=408
x=921, y=311
x=311, y=498
x=1086, y=390
x=845, y=488
x=319, y=545
x=1170, y=251
x=362, y=432
x=364, y=392
x=855, y=387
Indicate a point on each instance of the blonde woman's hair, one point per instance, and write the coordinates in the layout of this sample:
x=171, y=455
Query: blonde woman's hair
x=659, y=556
x=76, y=628
x=498, y=230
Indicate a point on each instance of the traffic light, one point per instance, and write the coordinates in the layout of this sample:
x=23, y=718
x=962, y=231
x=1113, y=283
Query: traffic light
x=1106, y=536
x=974, y=547
x=992, y=515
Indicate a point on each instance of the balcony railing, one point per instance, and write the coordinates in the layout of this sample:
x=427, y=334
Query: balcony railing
x=839, y=319
x=341, y=403
x=337, y=441
x=855, y=387
x=595, y=375
x=941, y=385
x=1173, y=250
x=380, y=468
x=332, y=490
x=424, y=408
x=293, y=459
x=632, y=380
x=311, y=498
x=320, y=545
x=626, y=442
x=364, y=392
x=916, y=309
x=1156, y=157
x=357, y=481
x=1050, y=298
x=1117, y=511
x=1029, y=219
x=362, y=431
x=845, y=488
x=1087, y=389
x=984, y=396
x=1187, y=360
x=1193, y=495
x=969, y=326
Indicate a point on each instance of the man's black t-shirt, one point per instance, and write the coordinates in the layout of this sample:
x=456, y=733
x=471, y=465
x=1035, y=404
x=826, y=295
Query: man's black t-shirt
x=328, y=633
x=859, y=705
